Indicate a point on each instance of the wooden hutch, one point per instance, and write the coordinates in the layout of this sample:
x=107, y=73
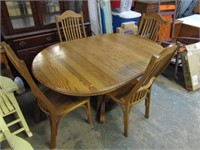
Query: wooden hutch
x=29, y=26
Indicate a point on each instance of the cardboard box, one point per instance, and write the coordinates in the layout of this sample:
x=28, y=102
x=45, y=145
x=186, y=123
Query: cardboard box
x=191, y=66
x=128, y=28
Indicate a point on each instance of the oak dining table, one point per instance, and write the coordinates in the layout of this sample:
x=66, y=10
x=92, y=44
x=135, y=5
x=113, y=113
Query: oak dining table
x=94, y=65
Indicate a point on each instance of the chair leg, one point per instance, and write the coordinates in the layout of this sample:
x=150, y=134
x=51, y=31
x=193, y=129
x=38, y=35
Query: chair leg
x=176, y=66
x=37, y=112
x=147, y=105
x=54, y=125
x=126, y=120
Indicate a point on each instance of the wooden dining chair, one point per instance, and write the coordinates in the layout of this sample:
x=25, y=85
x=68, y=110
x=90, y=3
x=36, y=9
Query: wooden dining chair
x=152, y=26
x=71, y=24
x=4, y=61
x=53, y=104
x=138, y=90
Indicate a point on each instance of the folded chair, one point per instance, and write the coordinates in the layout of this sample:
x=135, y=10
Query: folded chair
x=14, y=141
x=53, y=104
x=153, y=26
x=71, y=24
x=138, y=90
x=10, y=109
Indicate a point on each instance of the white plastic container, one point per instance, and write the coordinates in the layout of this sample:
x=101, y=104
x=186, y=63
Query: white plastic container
x=125, y=5
x=20, y=84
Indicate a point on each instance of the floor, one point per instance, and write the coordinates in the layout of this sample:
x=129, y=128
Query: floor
x=174, y=123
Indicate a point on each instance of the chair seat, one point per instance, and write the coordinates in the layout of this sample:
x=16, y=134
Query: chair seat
x=63, y=103
x=119, y=94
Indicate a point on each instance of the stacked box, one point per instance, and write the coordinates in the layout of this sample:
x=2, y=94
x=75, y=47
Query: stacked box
x=191, y=66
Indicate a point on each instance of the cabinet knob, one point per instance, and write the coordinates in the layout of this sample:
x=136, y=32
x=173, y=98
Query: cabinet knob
x=22, y=43
x=49, y=38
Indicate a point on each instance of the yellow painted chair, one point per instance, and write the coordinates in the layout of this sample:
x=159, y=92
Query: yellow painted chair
x=10, y=108
x=14, y=141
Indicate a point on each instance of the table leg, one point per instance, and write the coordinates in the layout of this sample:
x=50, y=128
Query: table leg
x=101, y=108
x=99, y=100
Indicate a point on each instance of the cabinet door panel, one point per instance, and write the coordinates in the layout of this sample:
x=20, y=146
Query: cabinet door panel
x=78, y=6
x=20, y=13
x=48, y=10
x=18, y=16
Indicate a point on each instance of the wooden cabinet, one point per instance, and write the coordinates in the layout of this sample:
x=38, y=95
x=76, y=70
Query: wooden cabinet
x=146, y=7
x=29, y=26
x=155, y=6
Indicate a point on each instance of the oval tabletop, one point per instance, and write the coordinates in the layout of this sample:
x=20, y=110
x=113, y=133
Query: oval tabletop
x=94, y=65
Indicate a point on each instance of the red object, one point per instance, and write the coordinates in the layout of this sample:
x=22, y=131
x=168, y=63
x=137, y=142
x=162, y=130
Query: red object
x=116, y=3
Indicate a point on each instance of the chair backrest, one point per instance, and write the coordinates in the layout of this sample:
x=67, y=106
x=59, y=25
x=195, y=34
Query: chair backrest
x=21, y=67
x=151, y=26
x=156, y=65
x=69, y=24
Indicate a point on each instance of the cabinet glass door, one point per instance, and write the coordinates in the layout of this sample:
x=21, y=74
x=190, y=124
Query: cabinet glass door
x=75, y=6
x=50, y=8
x=78, y=6
x=20, y=13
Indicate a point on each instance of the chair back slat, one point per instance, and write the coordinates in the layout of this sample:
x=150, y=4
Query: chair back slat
x=6, y=105
x=71, y=24
x=152, y=26
x=156, y=65
x=21, y=67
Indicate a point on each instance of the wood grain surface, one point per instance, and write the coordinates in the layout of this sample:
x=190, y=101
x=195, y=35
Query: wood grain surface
x=94, y=65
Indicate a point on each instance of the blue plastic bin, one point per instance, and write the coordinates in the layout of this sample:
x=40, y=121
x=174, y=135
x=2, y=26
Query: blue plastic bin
x=127, y=16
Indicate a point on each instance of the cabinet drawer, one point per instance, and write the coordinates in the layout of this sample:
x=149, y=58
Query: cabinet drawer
x=167, y=7
x=152, y=8
x=34, y=41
